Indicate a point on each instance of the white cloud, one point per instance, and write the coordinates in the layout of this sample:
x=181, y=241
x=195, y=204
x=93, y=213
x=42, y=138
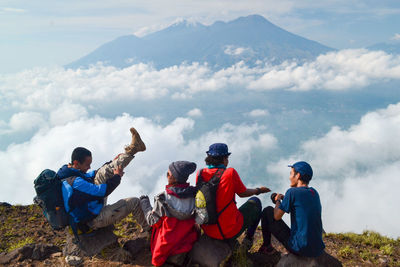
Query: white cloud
x=11, y=10
x=355, y=172
x=258, y=113
x=396, y=36
x=237, y=51
x=342, y=70
x=47, y=89
x=22, y=121
x=195, y=113
x=67, y=112
x=52, y=147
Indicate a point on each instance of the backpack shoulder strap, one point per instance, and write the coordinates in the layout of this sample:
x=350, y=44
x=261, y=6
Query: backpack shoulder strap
x=200, y=179
x=217, y=177
x=70, y=180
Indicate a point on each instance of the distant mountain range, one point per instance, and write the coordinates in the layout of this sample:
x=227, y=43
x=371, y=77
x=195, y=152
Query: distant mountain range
x=222, y=44
x=389, y=47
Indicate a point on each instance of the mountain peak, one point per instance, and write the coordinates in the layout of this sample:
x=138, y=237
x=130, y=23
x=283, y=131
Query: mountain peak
x=253, y=20
x=188, y=23
x=220, y=44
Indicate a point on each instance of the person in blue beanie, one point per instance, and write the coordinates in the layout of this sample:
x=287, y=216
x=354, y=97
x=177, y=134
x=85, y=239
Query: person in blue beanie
x=304, y=238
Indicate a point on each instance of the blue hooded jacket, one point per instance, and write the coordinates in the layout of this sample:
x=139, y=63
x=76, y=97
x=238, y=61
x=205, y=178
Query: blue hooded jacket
x=83, y=199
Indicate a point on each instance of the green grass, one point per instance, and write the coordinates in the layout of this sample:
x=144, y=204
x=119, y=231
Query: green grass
x=368, y=238
x=20, y=244
x=387, y=249
x=346, y=252
x=367, y=255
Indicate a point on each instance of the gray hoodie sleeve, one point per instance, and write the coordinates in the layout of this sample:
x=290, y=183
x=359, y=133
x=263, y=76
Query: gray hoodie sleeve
x=152, y=215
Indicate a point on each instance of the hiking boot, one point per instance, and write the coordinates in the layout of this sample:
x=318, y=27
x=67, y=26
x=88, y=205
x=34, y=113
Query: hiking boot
x=267, y=250
x=136, y=145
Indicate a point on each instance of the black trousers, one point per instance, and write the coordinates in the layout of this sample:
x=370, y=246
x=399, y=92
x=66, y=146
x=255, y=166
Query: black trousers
x=279, y=229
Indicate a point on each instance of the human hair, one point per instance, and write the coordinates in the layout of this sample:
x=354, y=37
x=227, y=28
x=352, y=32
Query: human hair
x=304, y=180
x=80, y=154
x=210, y=160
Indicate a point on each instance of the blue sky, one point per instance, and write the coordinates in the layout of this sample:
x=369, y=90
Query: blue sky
x=49, y=33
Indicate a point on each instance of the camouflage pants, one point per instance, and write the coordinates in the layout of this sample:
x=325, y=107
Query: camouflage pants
x=113, y=213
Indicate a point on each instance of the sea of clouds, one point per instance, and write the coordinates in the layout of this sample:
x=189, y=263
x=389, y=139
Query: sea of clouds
x=48, y=112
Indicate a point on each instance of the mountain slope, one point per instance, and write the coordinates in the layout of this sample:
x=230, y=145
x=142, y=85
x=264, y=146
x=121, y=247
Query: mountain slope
x=390, y=48
x=221, y=44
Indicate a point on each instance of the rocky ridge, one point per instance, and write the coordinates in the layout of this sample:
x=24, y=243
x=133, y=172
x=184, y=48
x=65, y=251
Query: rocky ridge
x=26, y=239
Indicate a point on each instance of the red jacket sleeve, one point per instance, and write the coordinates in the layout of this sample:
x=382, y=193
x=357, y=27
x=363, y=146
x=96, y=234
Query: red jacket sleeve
x=239, y=187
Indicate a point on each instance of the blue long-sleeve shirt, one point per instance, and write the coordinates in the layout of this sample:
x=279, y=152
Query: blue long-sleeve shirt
x=83, y=199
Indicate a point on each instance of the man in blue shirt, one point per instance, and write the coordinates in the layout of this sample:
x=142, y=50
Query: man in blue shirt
x=304, y=238
x=85, y=193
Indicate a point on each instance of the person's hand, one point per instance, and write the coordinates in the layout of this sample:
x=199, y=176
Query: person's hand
x=117, y=156
x=275, y=197
x=279, y=197
x=263, y=189
x=119, y=170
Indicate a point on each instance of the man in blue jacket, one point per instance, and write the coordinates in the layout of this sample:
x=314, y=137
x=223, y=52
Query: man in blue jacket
x=85, y=192
x=304, y=238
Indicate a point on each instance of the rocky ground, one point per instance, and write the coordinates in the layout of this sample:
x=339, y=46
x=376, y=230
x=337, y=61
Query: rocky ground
x=26, y=239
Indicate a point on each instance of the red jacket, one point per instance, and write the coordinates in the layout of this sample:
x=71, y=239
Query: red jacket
x=171, y=236
x=173, y=225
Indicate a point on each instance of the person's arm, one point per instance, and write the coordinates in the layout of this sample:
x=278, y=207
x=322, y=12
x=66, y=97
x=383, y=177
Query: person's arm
x=251, y=192
x=150, y=216
x=278, y=213
x=153, y=215
x=96, y=191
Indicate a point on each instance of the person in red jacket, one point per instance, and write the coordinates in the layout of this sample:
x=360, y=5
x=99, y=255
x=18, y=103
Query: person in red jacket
x=172, y=218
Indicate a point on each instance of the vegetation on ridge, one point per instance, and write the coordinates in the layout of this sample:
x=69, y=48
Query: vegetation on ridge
x=21, y=225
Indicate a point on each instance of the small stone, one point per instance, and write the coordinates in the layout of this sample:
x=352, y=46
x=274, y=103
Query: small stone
x=43, y=251
x=90, y=244
x=56, y=255
x=73, y=260
x=384, y=260
x=5, y=204
x=135, y=246
x=296, y=261
x=5, y=258
x=209, y=252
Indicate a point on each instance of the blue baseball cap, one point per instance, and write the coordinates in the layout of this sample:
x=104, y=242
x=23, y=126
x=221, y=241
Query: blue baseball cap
x=217, y=150
x=304, y=169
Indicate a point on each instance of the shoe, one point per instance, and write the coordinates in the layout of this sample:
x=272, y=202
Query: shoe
x=136, y=145
x=267, y=250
